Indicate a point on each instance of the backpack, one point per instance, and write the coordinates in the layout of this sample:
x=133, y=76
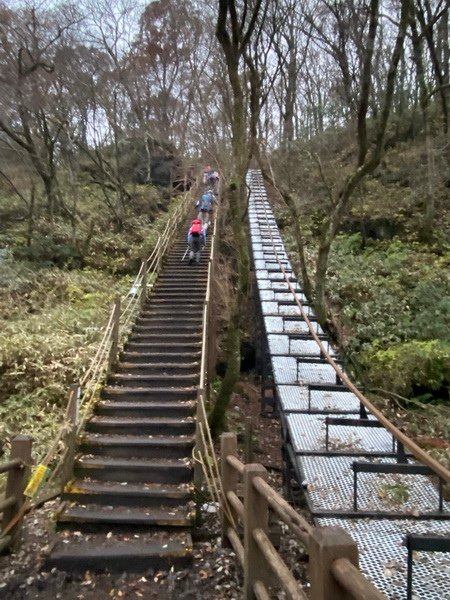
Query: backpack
x=205, y=203
x=196, y=229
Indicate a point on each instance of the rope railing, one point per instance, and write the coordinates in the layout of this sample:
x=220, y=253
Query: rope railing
x=203, y=454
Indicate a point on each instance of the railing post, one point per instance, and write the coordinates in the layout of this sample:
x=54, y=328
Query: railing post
x=229, y=476
x=72, y=414
x=114, y=350
x=16, y=483
x=256, y=516
x=326, y=544
x=144, y=282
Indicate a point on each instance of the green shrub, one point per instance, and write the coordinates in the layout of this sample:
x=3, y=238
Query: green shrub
x=408, y=367
x=430, y=309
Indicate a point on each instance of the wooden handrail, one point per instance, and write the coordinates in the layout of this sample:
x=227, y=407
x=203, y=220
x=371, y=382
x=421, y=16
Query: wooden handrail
x=352, y=580
x=278, y=567
x=284, y=511
x=237, y=544
x=237, y=504
x=333, y=553
x=260, y=591
x=236, y=464
x=15, y=463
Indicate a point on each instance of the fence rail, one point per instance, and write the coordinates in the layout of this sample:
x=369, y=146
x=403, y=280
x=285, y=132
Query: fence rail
x=333, y=555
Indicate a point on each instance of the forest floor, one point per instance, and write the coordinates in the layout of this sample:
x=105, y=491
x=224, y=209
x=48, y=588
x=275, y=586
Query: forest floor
x=215, y=574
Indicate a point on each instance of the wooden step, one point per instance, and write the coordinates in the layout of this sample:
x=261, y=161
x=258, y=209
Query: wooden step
x=92, y=517
x=165, y=338
x=136, y=446
x=155, y=550
x=185, y=286
x=155, y=358
x=127, y=494
x=163, y=327
x=173, y=470
x=153, y=379
x=143, y=426
x=167, y=368
x=170, y=319
x=148, y=393
x=183, y=345
x=143, y=408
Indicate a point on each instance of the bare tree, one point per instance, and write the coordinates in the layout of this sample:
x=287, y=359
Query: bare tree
x=30, y=102
x=236, y=24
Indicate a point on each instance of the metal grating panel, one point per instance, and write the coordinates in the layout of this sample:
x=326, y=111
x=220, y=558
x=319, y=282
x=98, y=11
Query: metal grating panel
x=308, y=437
x=266, y=295
x=284, y=309
x=414, y=494
x=309, y=347
x=295, y=398
x=288, y=296
x=262, y=274
x=273, y=324
x=334, y=401
x=284, y=369
x=269, y=308
x=315, y=373
x=302, y=327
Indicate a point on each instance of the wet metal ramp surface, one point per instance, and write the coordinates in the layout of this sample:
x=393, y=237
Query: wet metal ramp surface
x=349, y=467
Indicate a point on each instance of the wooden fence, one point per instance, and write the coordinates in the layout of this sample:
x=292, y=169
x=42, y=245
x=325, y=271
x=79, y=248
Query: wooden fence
x=333, y=555
x=17, y=469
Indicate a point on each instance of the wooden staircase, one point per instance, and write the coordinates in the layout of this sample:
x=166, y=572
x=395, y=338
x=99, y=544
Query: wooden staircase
x=130, y=503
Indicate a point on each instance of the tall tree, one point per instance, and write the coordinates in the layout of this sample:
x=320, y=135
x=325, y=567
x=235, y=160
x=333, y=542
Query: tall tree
x=236, y=24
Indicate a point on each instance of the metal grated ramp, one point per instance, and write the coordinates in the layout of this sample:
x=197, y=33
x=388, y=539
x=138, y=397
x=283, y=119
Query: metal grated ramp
x=307, y=392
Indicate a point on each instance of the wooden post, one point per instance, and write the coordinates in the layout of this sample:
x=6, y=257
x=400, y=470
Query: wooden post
x=16, y=483
x=325, y=545
x=229, y=476
x=114, y=350
x=248, y=440
x=72, y=414
x=144, y=282
x=256, y=516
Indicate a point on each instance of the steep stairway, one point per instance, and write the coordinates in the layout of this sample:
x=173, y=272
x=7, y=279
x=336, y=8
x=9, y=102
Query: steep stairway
x=130, y=503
